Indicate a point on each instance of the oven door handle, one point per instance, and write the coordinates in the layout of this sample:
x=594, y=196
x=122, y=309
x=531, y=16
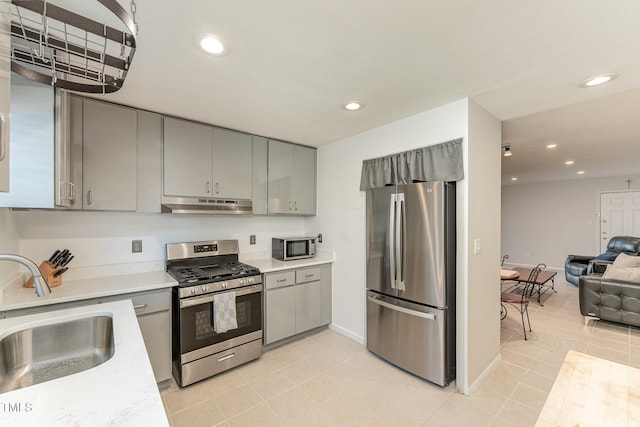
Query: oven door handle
x=209, y=298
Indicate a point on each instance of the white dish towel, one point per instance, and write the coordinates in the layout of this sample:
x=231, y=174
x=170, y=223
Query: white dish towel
x=224, y=312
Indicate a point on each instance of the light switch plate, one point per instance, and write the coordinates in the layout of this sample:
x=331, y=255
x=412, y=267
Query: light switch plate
x=476, y=246
x=136, y=246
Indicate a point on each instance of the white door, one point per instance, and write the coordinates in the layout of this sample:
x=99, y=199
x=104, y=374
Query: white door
x=619, y=215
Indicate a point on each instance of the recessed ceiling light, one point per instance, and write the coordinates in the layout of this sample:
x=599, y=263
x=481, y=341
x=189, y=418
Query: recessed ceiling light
x=552, y=145
x=569, y=162
x=580, y=172
x=212, y=44
x=515, y=178
x=598, y=80
x=353, y=105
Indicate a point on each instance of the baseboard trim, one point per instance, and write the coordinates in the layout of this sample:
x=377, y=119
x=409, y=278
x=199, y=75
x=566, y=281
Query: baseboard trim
x=514, y=264
x=473, y=388
x=347, y=333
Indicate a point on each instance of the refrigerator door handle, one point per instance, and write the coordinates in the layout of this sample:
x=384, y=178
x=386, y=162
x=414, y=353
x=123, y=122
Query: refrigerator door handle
x=400, y=221
x=428, y=316
x=392, y=245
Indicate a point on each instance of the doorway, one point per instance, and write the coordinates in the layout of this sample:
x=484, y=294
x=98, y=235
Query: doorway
x=619, y=215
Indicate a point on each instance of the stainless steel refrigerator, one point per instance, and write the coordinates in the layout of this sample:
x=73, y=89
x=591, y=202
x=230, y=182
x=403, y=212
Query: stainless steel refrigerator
x=411, y=270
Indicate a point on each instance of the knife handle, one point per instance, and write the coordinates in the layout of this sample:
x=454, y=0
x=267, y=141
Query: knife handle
x=59, y=272
x=54, y=255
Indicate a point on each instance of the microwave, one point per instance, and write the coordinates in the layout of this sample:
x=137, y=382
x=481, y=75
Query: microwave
x=289, y=248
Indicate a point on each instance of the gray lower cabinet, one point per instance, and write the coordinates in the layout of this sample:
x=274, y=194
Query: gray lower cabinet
x=153, y=310
x=296, y=301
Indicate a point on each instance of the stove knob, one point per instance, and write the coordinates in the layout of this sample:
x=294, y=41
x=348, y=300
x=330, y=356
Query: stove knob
x=204, y=288
x=193, y=291
x=242, y=282
x=250, y=279
x=224, y=285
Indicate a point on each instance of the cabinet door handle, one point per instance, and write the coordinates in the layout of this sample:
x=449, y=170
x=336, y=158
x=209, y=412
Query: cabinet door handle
x=3, y=138
x=217, y=188
x=89, y=197
x=295, y=205
x=289, y=204
x=208, y=187
x=281, y=280
x=139, y=307
x=72, y=192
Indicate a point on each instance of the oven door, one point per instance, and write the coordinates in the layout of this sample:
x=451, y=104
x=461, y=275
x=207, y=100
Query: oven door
x=198, y=337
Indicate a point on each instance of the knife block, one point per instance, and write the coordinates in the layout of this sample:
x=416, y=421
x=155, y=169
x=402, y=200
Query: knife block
x=47, y=270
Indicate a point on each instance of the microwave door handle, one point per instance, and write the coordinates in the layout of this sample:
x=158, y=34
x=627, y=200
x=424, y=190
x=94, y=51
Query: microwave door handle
x=400, y=238
x=391, y=246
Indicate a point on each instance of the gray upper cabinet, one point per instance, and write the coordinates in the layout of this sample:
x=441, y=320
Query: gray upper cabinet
x=260, y=174
x=291, y=183
x=231, y=164
x=205, y=161
x=149, y=165
x=188, y=151
x=5, y=94
x=109, y=157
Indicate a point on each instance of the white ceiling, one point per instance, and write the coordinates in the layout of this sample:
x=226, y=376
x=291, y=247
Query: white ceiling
x=292, y=63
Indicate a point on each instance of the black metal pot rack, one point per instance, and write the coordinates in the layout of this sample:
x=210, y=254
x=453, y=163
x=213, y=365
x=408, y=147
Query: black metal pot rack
x=55, y=46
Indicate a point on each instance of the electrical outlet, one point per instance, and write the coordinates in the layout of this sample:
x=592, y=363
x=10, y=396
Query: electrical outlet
x=252, y=239
x=320, y=238
x=136, y=246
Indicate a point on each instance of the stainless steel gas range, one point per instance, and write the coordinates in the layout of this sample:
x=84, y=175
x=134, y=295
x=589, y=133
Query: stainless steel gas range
x=217, y=316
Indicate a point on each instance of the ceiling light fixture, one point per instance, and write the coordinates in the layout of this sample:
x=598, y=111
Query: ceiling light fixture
x=353, y=105
x=507, y=151
x=569, y=162
x=598, y=80
x=515, y=178
x=580, y=172
x=212, y=44
x=552, y=146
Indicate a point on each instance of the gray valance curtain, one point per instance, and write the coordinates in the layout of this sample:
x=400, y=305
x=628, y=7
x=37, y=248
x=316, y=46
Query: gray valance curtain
x=440, y=162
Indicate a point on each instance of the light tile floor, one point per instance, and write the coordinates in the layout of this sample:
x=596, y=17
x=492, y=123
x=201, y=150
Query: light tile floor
x=326, y=379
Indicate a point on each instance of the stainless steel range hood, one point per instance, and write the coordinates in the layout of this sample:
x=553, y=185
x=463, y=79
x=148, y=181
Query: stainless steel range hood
x=198, y=205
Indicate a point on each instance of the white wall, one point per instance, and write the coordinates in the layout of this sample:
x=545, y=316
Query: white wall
x=341, y=215
x=8, y=244
x=483, y=213
x=100, y=238
x=545, y=222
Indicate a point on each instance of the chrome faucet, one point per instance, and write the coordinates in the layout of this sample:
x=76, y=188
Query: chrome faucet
x=40, y=285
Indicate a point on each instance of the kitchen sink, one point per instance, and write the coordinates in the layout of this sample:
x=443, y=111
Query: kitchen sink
x=44, y=353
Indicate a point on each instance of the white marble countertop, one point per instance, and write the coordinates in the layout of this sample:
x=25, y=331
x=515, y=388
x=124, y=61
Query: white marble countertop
x=16, y=296
x=122, y=391
x=269, y=265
